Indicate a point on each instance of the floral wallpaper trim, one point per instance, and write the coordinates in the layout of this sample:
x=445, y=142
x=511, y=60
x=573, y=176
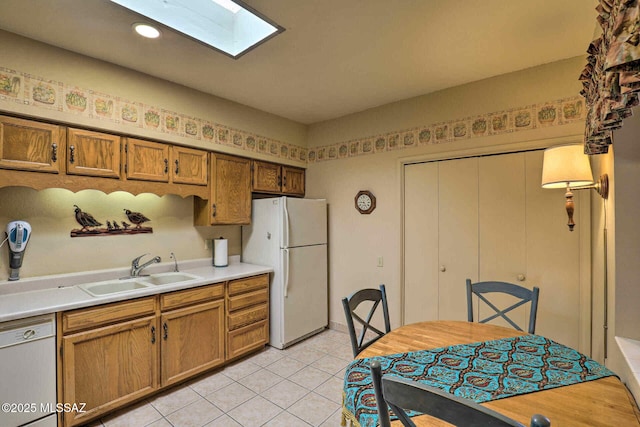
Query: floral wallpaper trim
x=554, y=113
x=40, y=93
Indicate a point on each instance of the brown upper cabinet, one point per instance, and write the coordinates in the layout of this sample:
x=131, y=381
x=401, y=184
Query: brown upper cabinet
x=93, y=153
x=154, y=161
x=277, y=179
x=230, y=192
x=31, y=146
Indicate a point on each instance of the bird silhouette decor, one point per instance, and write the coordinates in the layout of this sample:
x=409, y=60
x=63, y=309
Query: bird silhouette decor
x=136, y=218
x=89, y=226
x=85, y=219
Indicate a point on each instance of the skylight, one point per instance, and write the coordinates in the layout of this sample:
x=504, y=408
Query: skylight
x=225, y=25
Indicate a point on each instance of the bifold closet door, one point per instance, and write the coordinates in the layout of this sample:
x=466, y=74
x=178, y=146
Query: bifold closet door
x=440, y=238
x=502, y=229
x=487, y=218
x=421, y=242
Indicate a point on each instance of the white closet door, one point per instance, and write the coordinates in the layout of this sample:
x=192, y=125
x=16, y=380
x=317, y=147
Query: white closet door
x=489, y=219
x=502, y=230
x=458, y=235
x=553, y=260
x=421, y=242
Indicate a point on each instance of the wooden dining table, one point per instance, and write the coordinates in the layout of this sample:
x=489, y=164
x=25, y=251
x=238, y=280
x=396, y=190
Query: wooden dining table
x=604, y=402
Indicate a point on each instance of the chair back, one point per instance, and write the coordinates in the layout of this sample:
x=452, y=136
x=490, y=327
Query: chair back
x=401, y=394
x=522, y=294
x=377, y=297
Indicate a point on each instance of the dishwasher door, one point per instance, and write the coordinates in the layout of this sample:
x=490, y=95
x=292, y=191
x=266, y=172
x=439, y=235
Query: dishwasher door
x=28, y=371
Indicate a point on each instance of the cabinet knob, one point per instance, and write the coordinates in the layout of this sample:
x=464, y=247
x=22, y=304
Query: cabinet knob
x=177, y=168
x=54, y=152
x=213, y=207
x=166, y=330
x=166, y=165
x=521, y=277
x=443, y=268
x=72, y=154
x=153, y=335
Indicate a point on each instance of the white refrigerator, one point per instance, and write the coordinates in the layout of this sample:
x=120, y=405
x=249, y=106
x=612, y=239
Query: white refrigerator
x=290, y=235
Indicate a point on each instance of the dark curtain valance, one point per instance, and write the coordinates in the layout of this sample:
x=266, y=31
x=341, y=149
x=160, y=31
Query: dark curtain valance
x=611, y=78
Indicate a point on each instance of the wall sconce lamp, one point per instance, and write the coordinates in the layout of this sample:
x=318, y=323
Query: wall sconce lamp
x=566, y=166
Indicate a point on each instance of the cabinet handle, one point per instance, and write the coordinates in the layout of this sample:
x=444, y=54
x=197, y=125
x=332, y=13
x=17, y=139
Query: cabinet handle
x=54, y=152
x=153, y=335
x=279, y=180
x=166, y=330
x=177, y=169
x=284, y=181
x=521, y=277
x=214, y=209
x=72, y=154
x=166, y=165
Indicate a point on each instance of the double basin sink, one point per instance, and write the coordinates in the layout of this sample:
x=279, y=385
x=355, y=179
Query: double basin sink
x=99, y=289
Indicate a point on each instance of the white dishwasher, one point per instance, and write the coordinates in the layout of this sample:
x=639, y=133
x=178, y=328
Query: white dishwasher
x=28, y=372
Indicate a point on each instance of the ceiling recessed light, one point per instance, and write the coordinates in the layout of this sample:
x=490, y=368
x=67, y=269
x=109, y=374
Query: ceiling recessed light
x=146, y=30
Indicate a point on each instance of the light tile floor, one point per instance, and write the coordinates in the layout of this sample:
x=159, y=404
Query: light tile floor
x=297, y=387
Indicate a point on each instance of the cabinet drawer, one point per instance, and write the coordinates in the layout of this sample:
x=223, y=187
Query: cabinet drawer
x=244, y=340
x=248, y=299
x=247, y=316
x=249, y=284
x=191, y=296
x=84, y=318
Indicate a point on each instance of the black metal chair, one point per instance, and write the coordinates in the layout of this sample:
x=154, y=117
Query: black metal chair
x=401, y=394
x=523, y=294
x=351, y=303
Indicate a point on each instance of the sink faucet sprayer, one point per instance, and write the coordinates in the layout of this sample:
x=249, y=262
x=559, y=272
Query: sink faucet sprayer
x=175, y=262
x=136, y=268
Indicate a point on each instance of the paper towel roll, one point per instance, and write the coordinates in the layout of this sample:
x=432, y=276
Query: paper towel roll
x=220, y=258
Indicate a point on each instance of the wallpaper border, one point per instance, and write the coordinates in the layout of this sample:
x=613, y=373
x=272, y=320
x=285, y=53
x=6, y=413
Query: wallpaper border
x=41, y=93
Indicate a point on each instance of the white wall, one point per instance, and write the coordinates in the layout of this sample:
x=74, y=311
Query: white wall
x=356, y=241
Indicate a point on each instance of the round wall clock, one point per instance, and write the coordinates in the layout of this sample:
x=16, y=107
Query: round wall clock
x=365, y=202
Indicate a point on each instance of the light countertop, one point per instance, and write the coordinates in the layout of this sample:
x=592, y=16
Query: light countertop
x=49, y=294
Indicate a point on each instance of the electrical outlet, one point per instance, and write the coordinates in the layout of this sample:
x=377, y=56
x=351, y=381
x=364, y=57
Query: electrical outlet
x=380, y=261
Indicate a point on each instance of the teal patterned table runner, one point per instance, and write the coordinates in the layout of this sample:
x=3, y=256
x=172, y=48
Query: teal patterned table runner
x=481, y=371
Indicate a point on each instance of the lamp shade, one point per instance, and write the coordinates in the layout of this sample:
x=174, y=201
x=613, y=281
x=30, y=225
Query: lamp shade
x=566, y=165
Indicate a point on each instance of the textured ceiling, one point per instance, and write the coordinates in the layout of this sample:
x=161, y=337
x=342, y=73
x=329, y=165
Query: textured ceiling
x=336, y=57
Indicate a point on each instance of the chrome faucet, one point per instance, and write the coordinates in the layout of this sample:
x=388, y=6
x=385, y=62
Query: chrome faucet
x=136, y=268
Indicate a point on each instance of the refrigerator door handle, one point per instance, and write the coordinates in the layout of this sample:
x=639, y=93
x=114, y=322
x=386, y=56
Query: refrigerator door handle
x=285, y=231
x=285, y=270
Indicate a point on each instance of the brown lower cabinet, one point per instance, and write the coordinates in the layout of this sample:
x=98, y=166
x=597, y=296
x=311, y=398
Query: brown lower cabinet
x=115, y=354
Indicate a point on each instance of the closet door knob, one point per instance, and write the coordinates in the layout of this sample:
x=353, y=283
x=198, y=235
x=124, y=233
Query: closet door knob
x=521, y=277
x=443, y=268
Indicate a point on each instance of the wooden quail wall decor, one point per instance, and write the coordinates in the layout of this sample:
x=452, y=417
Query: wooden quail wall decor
x=92, y=227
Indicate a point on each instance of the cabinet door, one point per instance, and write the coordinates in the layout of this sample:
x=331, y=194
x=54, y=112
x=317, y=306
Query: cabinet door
x=93, y=153
x=267, y=177
x=147, y=161
x=293, y=181
x=230, y=201
x=188, y=166
x=29, y=145
x=109, y=366
x=192, y=340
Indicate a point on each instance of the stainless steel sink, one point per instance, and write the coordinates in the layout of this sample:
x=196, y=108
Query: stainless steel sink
x=112, y=286
x=167, y=278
